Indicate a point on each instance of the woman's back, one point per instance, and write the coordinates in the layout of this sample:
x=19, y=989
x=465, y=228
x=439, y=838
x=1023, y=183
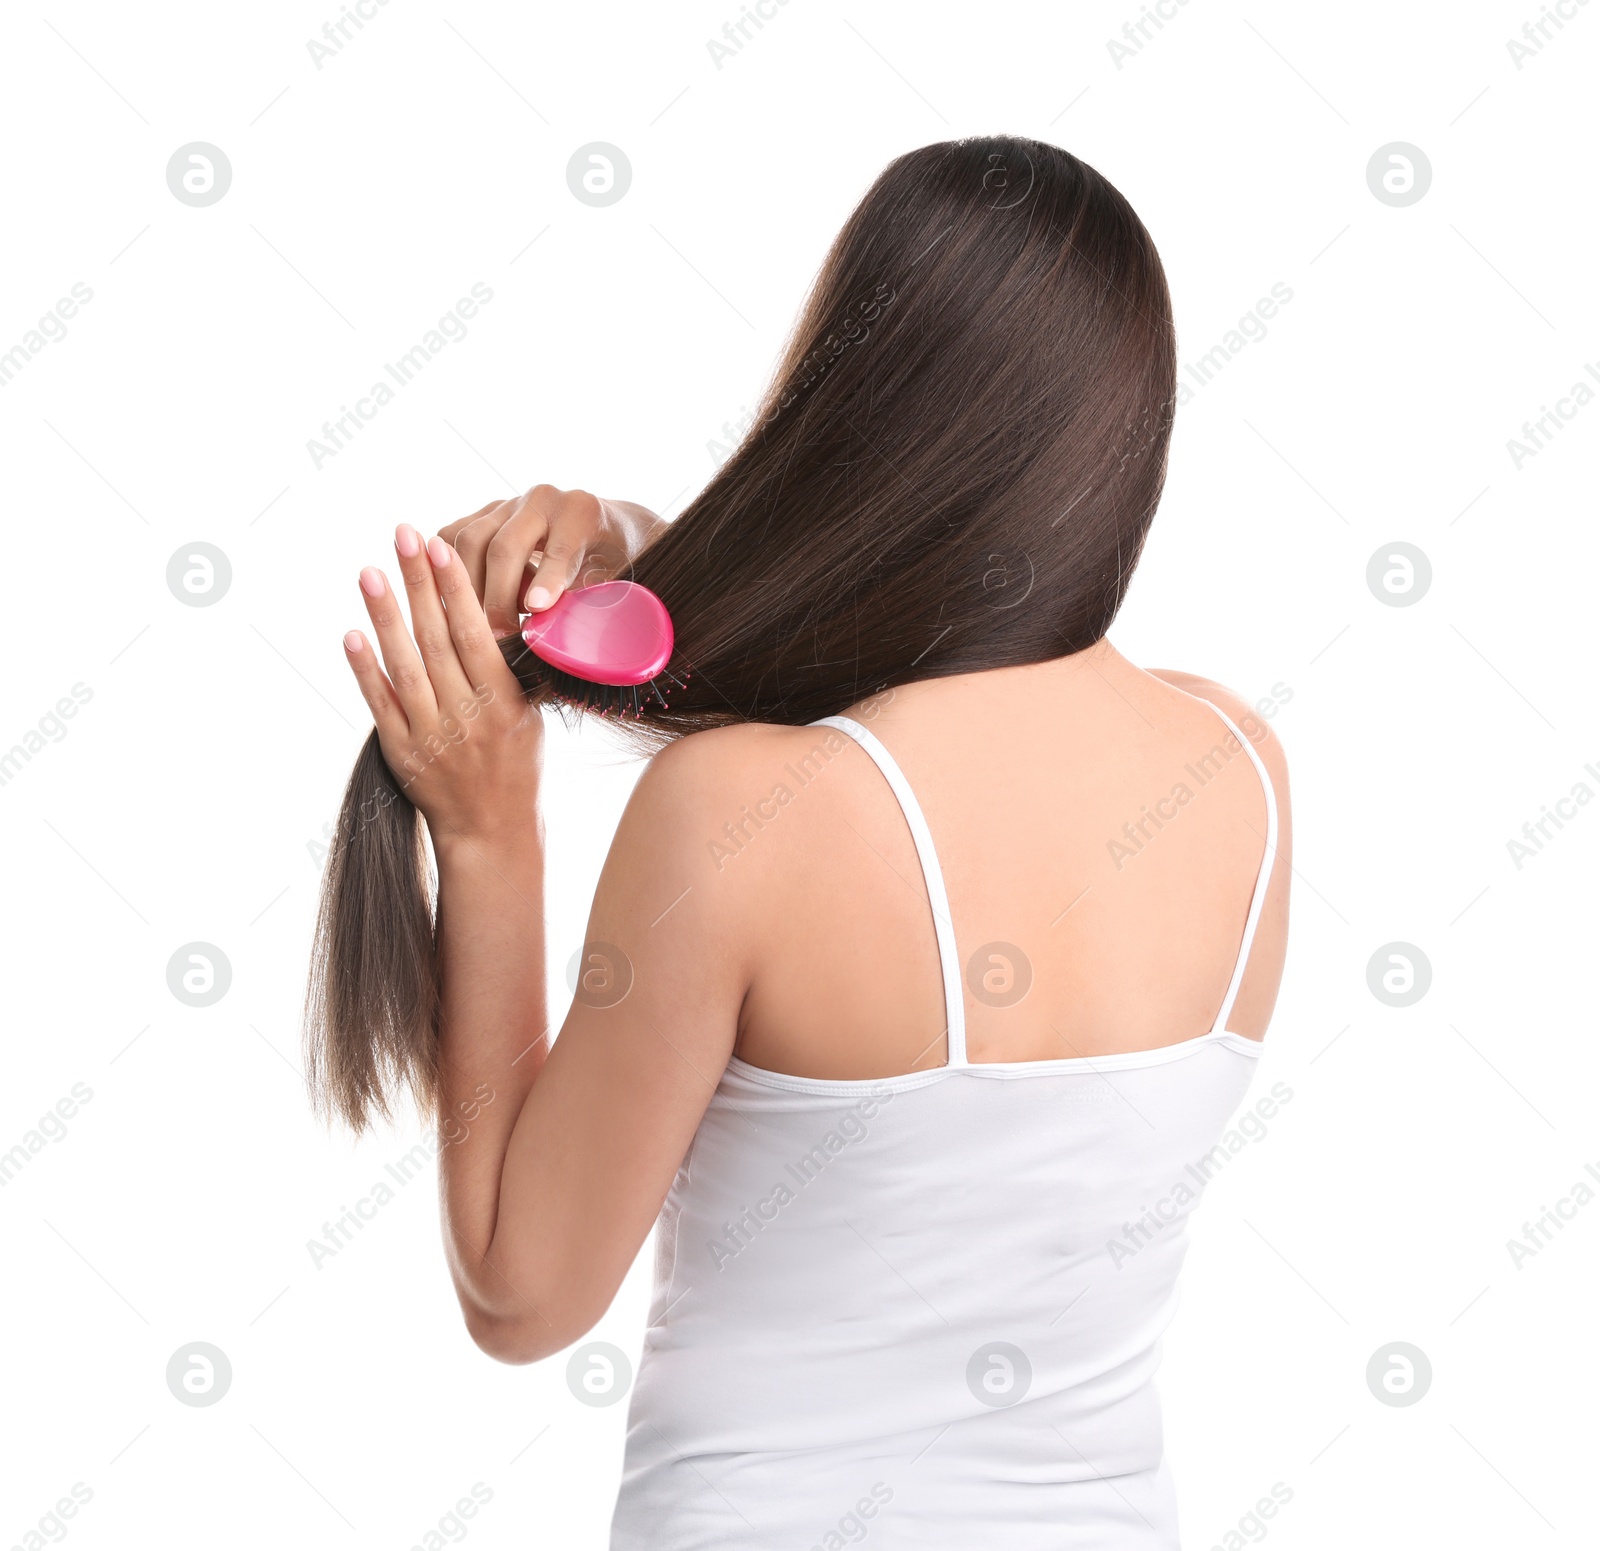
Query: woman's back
x=916, y=1265
x=1049, y=792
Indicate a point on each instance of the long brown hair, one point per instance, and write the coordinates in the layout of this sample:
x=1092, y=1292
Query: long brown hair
x=953, y=469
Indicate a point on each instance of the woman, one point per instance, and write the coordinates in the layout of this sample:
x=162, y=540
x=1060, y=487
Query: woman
x=922, y=976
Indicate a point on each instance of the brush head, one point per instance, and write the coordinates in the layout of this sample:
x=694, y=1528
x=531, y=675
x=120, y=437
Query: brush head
x=605, y=647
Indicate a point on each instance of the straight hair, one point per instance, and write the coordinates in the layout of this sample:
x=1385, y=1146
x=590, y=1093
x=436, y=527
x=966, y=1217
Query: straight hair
x=953, y=469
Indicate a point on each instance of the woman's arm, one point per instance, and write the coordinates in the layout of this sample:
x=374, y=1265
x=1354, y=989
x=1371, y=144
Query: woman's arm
x=600, y=1133
x=555, y=1161
x=492, y=1047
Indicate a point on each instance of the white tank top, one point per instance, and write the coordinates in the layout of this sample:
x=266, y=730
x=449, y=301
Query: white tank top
x=926, y=1310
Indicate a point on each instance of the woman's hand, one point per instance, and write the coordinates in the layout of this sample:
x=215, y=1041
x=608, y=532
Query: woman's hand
x=562, y=537
x=459, y=735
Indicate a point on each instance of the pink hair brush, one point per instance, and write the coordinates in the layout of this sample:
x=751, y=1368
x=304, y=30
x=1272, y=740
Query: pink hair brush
x=605, y=647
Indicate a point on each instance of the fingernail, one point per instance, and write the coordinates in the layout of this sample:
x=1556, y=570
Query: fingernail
x=352, y=641
x=406, y=540
x=372, y=582
x=538, y=598
x=439, y=553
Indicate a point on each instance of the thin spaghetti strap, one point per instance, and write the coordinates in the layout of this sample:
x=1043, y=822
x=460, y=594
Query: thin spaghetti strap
x=932, y=877
x=1263, y=877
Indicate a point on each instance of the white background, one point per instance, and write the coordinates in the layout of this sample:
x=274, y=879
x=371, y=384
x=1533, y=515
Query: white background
x=182, y=801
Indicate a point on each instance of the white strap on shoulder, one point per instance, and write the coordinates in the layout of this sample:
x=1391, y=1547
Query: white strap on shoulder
x=1263, y=878
x=932, y=876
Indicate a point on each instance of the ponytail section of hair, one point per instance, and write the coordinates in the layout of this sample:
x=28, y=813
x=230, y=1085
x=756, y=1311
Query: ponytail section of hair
x=372, y=1001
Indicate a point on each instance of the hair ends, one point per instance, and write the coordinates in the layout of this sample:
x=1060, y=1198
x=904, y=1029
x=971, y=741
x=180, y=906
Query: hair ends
x=372, y=999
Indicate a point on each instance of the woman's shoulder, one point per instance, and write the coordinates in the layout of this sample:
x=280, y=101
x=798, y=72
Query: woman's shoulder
x=720, y=761
x=1253, y=720
x=697, y=788
x=708, y=834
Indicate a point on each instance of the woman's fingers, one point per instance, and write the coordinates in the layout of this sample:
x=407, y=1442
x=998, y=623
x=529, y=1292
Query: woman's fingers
x=450, y=530
x=387, y=715
x=472, y=542
x=474, y=642
x=521, y=555
x=577, y=523
x=406, y=672
x=437, y=683
x=428, y=623
x=505, y=576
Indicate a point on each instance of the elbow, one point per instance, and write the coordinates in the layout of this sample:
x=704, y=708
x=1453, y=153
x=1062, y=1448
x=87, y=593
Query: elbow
x=527, y=1337
x=516, y=1341
x=523, y=1318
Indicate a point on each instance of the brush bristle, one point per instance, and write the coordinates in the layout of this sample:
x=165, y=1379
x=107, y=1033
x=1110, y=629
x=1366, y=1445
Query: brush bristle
x=624, y=699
